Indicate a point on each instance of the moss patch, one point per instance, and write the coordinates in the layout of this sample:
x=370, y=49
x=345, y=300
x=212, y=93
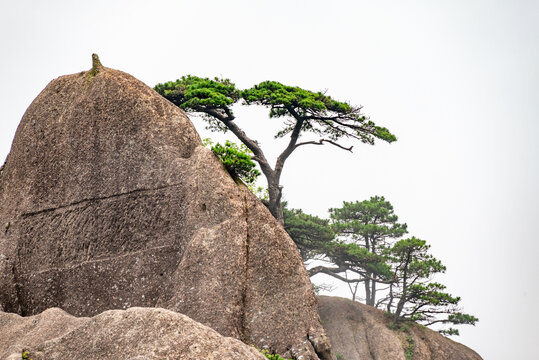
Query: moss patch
x=96, y=66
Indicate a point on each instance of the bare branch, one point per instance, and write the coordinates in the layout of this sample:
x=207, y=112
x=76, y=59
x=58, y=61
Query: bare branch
x=291, y=145
x=252, y=145
x=321, y=142
x=437, y=321
x=337, y=145
x=342, y=131
x=334, y=272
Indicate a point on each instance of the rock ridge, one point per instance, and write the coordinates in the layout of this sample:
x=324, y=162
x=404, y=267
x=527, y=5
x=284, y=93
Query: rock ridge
x=135, y=333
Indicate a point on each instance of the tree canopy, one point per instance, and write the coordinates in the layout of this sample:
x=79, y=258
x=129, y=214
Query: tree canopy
x=303, y=112
x=310, y=233
x=359, y=235
x=315, y=112
x=369, y=224
x=417, y=297
x=364, y=248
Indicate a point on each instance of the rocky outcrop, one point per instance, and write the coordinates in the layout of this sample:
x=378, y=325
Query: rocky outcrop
x=108, y=200
x=360, y=332
x=136, y=333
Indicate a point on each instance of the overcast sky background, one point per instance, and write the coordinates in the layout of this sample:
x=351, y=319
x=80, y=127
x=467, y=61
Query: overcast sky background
x=456, y=81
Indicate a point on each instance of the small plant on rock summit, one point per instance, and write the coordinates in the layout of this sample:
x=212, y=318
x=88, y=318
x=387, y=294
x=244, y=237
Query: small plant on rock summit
x=273, y=356
x=236, y=159
x=269, y=355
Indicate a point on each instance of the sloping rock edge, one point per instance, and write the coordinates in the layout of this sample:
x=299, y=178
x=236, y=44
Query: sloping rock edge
x=358, y=331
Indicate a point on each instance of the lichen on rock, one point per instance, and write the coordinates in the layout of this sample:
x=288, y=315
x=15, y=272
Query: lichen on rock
x=96, y=66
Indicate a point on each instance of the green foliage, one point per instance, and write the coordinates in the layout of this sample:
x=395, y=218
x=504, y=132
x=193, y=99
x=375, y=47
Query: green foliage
x=261, y=192
x=421, y=299
x=366, y=229
x=193, y=93
x=430, y=293
x=413, y=254
x=410, y=349
x=400, y=326
x=210, y=97
x=461, y=318
x=310, y=233
x=365, y=245
x=370, y=221
x=449, y=332
x=319, y=113
x=26, y=355
x=303, y=111
x=273, y=356
x=358, y=259
x=339, y=356
x=269, y=355
x=322, y=114
x=403, y=327
x=237, y=160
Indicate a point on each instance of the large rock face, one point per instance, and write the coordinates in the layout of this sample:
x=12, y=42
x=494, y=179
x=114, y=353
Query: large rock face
x=108, y=200
x=360, y=332
x=136, y=333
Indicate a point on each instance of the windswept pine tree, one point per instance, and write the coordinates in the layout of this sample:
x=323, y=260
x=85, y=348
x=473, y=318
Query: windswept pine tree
x=302, y=112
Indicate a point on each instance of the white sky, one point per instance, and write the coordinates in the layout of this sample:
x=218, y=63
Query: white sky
x=456, y=81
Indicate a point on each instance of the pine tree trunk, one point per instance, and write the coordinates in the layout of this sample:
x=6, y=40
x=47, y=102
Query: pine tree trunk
x=390, y=302
x=368, y=291
x=274, y=204
x=373, y=291
x=398, y=311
